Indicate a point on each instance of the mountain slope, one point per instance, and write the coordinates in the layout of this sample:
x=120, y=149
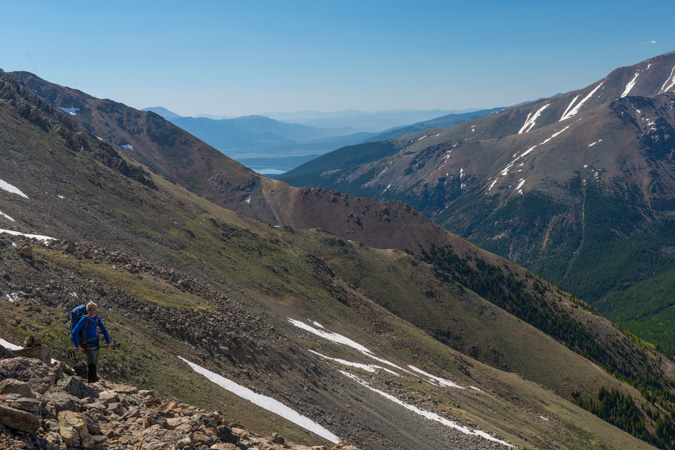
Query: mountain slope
x=178, y=275
x=182, y=158
x=447, y=121
x=572, y=186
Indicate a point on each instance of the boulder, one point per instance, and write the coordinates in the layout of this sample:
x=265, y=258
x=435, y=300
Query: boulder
x=16, y=401
x=26, y=251
x=33, y=371
x=32, y=341
x=224, y=446
x=12, y=386
x=75, y=387
x=107, y=397
x=40, y=352
x=19, y=420
x=158, y=438
x=58, y=401
x=73, y=430
x=6, y=353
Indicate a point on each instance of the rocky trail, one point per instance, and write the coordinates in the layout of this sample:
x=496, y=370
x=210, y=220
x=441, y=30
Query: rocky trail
x=48, y=406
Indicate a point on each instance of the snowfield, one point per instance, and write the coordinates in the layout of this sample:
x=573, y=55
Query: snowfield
x=573, y=112
x=12, y=189
x=6, y=216
x=531, y=121
x=32, y=236
x=264, y=402
x=427, y=414
x=432, y=379
x=630, y=85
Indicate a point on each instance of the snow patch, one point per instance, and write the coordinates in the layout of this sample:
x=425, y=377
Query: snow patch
x=506, y=169
x=569, y=107
x=71, y=111
x=12, y=189
x=372, y=368
x=32, y=236
x=493, y=184
x=6, y=216
x=670, y=82
x=343, y=340
x=265, y=402
x=13, y=296
x=429, y=415
x=530, y=121
x=594, y=143
x=440, y=381
x=572, y=112
x=9, y=345
x=630, y=85
x=248, y=199
x=475, y=388
x=554, y=135
x=520, y=184
x=128, y=147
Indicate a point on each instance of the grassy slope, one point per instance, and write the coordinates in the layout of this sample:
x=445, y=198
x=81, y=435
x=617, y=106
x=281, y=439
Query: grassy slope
x=509, y=404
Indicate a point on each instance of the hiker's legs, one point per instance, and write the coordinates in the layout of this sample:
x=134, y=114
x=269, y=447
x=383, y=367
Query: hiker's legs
x=92, y=360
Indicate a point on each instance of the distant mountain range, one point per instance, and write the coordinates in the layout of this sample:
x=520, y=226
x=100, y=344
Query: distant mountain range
x=373, y=122
x=267, y=144
x=579, y=187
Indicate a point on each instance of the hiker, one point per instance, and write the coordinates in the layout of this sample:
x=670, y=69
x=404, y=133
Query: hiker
x=89, y=343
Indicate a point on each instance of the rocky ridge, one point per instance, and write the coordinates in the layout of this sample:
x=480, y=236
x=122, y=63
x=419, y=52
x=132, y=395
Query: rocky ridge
x=50, y=407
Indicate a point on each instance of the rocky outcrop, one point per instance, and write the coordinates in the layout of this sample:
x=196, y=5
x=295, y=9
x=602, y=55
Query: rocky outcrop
x=42, y=408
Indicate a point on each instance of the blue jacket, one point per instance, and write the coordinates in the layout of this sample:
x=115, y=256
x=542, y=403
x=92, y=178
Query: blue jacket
x=91, y=332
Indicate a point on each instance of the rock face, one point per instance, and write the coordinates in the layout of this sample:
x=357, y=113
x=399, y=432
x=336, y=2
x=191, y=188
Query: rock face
x=40, y=408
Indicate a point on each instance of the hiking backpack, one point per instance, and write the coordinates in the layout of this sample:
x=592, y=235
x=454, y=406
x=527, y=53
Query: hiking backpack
x=75, y=315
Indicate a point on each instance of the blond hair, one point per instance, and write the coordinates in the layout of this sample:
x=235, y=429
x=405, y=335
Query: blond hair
x=91, y=305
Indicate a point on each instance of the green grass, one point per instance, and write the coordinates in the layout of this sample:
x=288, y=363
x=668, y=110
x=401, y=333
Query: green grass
x=143, y=286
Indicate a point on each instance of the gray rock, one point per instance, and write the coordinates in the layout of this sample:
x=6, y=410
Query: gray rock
x=40, y=352
x=19, y=420
x=77, y=388
x=58, y=400
x=33, y=371
x=12, y=386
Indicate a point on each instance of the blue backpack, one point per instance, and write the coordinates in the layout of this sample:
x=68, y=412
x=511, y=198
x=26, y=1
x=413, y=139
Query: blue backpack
x=75, y=315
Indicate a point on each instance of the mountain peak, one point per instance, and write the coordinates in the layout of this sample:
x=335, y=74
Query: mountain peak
x=168, y=115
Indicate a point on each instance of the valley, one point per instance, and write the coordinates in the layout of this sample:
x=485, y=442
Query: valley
x=363, y=316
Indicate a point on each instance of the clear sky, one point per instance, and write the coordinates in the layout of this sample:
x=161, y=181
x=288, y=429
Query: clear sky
x=255, y=56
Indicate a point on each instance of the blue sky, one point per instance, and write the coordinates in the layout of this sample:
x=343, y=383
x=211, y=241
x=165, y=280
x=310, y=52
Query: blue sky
x=251, y=57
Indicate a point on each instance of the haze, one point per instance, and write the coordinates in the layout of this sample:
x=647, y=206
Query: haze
x=239, y=58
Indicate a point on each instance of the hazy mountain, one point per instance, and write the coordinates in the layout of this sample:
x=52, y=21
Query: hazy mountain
x=383, y=348
x=447, y=121
x=361, y=120
x=168, y=115
x=579, y=187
